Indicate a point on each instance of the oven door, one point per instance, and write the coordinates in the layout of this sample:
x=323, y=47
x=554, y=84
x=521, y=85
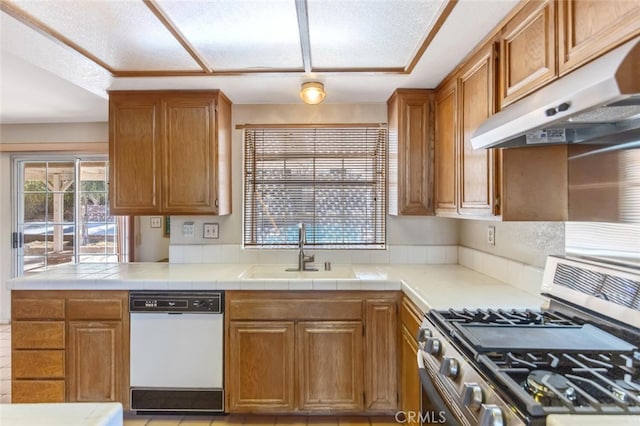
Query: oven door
x=433, y=408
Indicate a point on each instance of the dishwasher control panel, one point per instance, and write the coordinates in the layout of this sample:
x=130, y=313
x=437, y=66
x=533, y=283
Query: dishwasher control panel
x=177, y=301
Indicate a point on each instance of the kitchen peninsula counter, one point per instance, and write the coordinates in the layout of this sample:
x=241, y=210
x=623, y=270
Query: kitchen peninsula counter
x=428, y=286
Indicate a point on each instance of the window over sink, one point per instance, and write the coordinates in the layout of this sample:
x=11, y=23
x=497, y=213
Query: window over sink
x=329, y=177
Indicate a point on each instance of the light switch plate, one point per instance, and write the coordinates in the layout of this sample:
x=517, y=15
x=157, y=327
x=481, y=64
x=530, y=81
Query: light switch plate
x=210, y=230
x=188, y=229
x=156, y=222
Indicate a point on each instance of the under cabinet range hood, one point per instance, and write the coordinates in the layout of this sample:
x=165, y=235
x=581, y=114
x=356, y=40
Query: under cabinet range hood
x=597, y=103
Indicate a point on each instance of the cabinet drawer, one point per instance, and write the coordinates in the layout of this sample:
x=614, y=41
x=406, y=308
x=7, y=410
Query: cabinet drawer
x=34, y=391
x=295, y=309
x=92, y=309
x=37, y=335
x=410, y=316
x=37, y=364
x=25, y=309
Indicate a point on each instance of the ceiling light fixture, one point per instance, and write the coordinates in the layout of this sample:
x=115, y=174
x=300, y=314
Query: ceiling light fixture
x=312, y=92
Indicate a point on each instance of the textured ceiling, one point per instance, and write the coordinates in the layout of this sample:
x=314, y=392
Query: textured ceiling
x=73, y=51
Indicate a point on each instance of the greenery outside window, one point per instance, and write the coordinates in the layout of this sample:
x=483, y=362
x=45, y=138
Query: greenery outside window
x=329, y=177
x=63, y=215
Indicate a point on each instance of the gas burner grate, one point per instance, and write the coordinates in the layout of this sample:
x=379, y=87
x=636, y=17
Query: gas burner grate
x=558, y=382
x=506, y=317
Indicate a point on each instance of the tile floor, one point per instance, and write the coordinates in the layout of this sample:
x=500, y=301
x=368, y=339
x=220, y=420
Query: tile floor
x=132, y=419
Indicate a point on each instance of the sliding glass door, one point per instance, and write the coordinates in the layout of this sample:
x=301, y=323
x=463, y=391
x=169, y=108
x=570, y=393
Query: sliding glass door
x=62, y=214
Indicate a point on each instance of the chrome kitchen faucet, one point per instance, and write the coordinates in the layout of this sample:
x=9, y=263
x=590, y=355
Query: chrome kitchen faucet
x=303, y=259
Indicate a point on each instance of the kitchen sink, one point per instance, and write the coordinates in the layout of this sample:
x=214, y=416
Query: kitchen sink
x=279, y=272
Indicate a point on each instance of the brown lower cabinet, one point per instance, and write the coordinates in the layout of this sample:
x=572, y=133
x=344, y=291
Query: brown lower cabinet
x=70, y=346
x=311, y=352
x=410, y=387
x=95, y=361
x=261, y=356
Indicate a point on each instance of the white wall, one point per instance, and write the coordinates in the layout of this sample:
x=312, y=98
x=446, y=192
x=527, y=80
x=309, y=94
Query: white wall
x=5, y=236
x=151, y=245
x=526, y=242
x=400, y=230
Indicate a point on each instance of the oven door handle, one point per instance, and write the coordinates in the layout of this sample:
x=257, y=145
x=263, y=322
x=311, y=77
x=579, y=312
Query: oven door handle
x=433, y=394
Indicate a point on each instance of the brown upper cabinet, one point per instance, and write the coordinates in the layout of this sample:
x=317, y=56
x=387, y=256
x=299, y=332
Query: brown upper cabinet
x=547, y=39
x=169, y=152
x=528, y=51
x=465, y=178
x=510, y=184
x=410, y=175
x=589, y=28
x=539, y=42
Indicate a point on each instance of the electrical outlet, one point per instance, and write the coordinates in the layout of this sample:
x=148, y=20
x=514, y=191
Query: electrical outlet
x=491, y=235
x=156, y=222
x=210, y=230
x=188, y=229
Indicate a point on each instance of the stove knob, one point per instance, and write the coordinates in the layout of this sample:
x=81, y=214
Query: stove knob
x=432, y=346
x=423, y=334
x=450, y=367
x=472, y=396
x=490, y=415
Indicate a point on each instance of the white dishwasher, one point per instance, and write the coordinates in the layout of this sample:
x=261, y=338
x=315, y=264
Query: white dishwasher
x=177, y=351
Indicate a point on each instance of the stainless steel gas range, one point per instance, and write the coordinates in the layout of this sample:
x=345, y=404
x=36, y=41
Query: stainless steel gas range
x=578, y=355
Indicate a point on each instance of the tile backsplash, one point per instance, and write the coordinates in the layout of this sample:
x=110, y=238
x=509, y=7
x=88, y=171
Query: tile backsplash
x=521, y=275
x=233, y=253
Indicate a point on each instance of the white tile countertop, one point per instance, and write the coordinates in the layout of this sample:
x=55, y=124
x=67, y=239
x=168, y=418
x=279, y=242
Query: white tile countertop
x=62, y=414
x=429, y=286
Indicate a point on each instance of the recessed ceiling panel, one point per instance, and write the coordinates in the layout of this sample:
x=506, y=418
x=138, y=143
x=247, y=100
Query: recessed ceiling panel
x=240, y=34
x=125, y=35
x=368, y=33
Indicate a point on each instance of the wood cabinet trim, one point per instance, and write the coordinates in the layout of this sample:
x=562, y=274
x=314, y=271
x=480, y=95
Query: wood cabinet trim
x=541, y=45
x=411, y=134
x=249, y=367
x=314, y=389
x=572, y=54
x=34, y=309
x=37, y=364
x=381, y=381
x=37, y=391
x=483, y=167
x=189, y=170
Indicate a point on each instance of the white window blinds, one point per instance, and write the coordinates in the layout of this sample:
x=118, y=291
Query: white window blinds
x=332, y=179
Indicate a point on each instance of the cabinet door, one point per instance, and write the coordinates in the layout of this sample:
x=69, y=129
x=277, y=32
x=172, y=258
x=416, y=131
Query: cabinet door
x=476, y=170
x=261, y=375
x=95, y=361
x=446, y=149
x=589, y=28
x=528, y=51
x=189, y=178
x=381, y=380
x=410, y=386
x=134, y=154
x=330, y=370
x=410, y=141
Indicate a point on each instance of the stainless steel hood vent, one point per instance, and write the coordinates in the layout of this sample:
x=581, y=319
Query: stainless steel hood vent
x=597, y=103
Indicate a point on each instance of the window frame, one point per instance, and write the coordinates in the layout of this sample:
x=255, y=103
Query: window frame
x=381, y=206
x=17, y=211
